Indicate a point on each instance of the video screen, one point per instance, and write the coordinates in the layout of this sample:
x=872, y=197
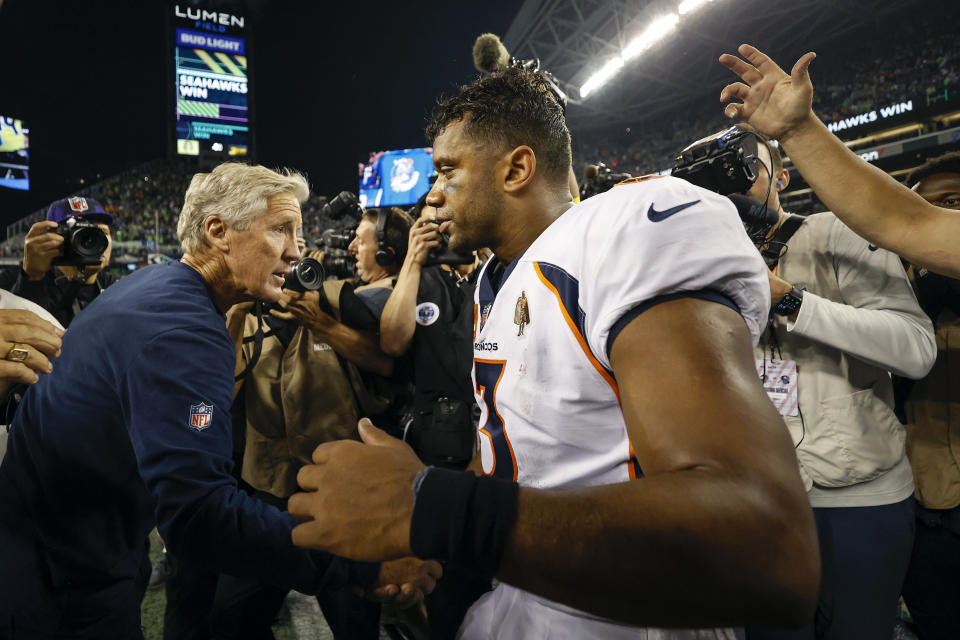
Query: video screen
x=395, y=178
x=212, y=85
x=14, y=154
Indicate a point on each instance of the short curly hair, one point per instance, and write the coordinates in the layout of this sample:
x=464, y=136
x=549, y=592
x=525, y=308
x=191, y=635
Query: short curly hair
x=947, y=163
x=507, y=109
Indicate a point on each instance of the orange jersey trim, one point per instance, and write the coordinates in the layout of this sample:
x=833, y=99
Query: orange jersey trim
x=638, y=179
x=576, y=333
x=483, y=430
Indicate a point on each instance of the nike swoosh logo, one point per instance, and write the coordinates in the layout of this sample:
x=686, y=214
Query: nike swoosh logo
x=658, y=216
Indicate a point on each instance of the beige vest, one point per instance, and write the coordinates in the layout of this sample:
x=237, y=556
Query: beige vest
x=296, y=398
x=849, y=431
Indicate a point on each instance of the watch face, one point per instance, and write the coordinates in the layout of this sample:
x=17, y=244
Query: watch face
x=788, y=304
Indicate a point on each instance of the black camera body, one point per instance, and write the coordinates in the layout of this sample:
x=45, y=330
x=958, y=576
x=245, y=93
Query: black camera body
x=341, y=267
x=83, y=242
x=333, y=239
x=445, y=433
x=445, y=255
x=600, y=181
x=725, y=162
x=306, y=274
x=340, y=205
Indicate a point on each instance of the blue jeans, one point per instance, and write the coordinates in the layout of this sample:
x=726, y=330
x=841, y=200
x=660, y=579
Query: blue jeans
x=864, y=553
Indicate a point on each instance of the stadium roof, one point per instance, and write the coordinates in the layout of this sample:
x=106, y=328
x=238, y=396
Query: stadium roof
x=574, y=38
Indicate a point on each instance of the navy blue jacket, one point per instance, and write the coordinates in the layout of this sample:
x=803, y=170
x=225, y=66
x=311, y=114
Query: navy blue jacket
x=133, y=429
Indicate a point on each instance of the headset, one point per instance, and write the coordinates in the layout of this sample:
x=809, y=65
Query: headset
x=386, y=255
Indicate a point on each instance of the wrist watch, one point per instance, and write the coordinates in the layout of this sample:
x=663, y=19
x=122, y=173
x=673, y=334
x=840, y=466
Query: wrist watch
x=789, y=303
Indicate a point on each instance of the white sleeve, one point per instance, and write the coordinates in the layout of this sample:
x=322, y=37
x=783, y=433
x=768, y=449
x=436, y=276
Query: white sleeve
x=880, y=321
x=637, y=255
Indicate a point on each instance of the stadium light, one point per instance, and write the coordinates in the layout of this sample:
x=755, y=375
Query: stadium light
x=655, y=31
x=691, y=5
x=600, y=77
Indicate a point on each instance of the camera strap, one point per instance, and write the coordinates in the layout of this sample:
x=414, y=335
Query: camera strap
x=774, y=249
x=257, y=340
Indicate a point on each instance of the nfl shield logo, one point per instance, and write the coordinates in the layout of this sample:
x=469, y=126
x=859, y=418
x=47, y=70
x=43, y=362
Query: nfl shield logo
x=78, y=204
x=200, y=416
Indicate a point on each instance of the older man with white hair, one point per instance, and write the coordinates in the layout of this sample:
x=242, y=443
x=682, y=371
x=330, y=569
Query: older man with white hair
x=132, y=429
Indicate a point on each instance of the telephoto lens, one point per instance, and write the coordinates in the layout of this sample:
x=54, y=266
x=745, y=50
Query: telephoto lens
x=306, y=274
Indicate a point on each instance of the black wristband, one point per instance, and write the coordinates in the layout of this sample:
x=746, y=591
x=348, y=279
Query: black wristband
x=462, y=519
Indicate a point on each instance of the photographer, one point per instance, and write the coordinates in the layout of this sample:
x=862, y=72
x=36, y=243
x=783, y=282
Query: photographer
x=872, y=203
x=78, y=277
x=379, y=247
x=843, y=317
x=430, y=316
x=932, y=587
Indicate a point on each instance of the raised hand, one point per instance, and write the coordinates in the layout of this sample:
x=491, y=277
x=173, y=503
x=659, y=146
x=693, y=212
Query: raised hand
x=775, y=103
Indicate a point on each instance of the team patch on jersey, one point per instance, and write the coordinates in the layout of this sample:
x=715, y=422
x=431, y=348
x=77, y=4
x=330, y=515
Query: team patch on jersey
x=201, y=415
x=427, y=313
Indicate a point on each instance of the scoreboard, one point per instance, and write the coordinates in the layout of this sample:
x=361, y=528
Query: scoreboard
x=212, y=86
x=396, y=178
x=14, y=154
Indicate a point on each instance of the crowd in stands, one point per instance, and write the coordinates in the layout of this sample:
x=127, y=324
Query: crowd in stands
x=924, y=65
x=147, y=199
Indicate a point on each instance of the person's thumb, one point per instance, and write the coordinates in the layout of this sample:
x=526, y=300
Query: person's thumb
x=369, y=434
x=800, y=71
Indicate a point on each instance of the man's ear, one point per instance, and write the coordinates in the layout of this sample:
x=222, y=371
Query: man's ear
x=782, y=181
x=215, y=231
x=521, y=166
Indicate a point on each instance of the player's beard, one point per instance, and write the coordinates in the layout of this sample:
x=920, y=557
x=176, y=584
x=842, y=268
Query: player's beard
x=475, y=227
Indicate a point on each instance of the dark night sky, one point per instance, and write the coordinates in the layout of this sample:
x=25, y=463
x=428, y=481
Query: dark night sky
x=333, y=80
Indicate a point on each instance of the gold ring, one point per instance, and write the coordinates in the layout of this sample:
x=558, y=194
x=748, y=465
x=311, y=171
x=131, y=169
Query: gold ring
x=18, y=353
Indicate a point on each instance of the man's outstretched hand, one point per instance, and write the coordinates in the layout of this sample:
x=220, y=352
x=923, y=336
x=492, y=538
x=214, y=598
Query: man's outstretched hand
x=358, y=499
x=775, y=103
x=404, y=582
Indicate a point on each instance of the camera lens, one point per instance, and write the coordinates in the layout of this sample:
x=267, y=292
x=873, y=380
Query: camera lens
x=306, y=274
x=89, y=242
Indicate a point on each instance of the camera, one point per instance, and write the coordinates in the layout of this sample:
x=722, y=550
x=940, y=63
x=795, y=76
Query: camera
x=725, y=162
x=83, y=242
x=340, y=267
x=333, y=239
x=444, y=255
x=343, y=203
x=306, y=274
x=445, y=433
x=598, y=178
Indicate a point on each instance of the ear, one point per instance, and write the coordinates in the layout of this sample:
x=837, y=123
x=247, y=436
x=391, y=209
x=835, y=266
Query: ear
x=782, y=180
x=215, y=231
x=521, y=166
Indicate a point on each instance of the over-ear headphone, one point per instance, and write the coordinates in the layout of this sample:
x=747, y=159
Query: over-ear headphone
x=386, y=255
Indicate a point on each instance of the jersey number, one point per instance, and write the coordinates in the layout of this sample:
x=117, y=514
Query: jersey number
x=488, y=374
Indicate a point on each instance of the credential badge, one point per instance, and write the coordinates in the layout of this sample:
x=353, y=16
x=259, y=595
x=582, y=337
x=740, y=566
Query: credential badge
x=427, y=313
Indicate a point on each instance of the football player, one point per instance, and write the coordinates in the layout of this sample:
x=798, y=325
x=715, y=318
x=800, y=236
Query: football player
x=633, y=473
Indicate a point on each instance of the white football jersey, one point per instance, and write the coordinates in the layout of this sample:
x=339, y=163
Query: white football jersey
x=550, y=410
